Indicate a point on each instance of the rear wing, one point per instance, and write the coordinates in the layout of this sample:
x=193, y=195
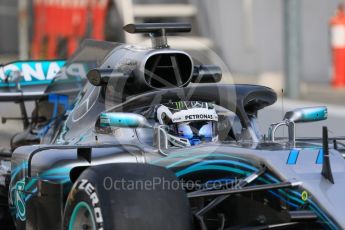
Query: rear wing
x=27, y=80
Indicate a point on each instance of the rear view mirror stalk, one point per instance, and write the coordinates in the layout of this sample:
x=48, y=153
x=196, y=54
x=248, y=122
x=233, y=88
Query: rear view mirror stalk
x=291, y=130
x=161, y=139
x=301, y=115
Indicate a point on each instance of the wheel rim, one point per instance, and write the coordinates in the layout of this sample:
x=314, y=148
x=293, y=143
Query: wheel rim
x=82, y=217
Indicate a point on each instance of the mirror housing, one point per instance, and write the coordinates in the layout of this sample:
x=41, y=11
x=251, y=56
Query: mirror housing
x=123, y=120
x=308, y=114
x=100, y=77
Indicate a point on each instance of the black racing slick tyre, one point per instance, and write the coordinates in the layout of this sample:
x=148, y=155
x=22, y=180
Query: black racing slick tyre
x=127, y=196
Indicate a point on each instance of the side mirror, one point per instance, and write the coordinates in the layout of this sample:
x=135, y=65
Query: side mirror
x=123, y=120
x=99, y=77
x=308, y=114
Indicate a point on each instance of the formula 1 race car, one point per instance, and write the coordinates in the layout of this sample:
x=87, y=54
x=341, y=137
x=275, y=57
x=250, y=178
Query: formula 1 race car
x=127, y=137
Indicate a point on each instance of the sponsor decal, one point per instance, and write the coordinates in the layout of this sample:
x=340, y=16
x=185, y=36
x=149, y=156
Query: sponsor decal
x=32, y=71
x=38, y=72
x=199, y=116
x=90, y=190
x=195, y=114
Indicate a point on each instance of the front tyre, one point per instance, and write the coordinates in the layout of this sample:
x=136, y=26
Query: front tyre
x=81, y=211
x=92, y=204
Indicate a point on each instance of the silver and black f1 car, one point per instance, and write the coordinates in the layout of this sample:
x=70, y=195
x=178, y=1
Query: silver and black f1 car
x=152, y=140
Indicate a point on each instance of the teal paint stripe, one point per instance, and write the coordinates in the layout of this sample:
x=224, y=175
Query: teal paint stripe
x=175, y=156
x=59, y=170
x=32, y=182
x=194, y=151
x=298, y=194
x=67, y=180
x=283, y=199
x=272, y=178
x=322, y=215
x=298, y=200
x=238, y=171
x=318, y=211
x=246, y=166
x=53, y=177
x=290, y=196
x=211, y=167
x=280, y=190
x=235, y=170
x=201, y=156
x=20, y=167
x=59, y=175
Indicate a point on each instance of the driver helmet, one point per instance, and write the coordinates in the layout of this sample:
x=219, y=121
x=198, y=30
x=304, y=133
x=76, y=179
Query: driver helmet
x=188, y=122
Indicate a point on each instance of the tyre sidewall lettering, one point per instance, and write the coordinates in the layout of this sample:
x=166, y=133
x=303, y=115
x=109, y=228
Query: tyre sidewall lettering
x=89, y=190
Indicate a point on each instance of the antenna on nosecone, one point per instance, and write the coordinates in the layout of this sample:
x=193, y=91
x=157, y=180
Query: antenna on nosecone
x=283, y=110
x=282, y=102
x=326, y=163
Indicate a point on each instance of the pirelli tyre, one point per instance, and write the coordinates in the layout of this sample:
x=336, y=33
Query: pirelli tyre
x=127, y=196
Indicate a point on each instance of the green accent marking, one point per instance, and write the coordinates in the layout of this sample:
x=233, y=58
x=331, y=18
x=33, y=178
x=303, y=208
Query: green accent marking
x=304, y=195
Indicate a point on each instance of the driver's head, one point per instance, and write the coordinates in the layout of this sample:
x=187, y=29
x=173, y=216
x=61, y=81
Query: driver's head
x=188, y=122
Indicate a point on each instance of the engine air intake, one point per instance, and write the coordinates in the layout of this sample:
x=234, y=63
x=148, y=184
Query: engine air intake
x=168, y=70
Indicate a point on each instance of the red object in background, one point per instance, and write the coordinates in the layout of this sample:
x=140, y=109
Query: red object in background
x=51, y=28
x=78, y=24
x=99, y=11
x=39, y=19
x=79, y=18
x=66, y=20
x=337, y=24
